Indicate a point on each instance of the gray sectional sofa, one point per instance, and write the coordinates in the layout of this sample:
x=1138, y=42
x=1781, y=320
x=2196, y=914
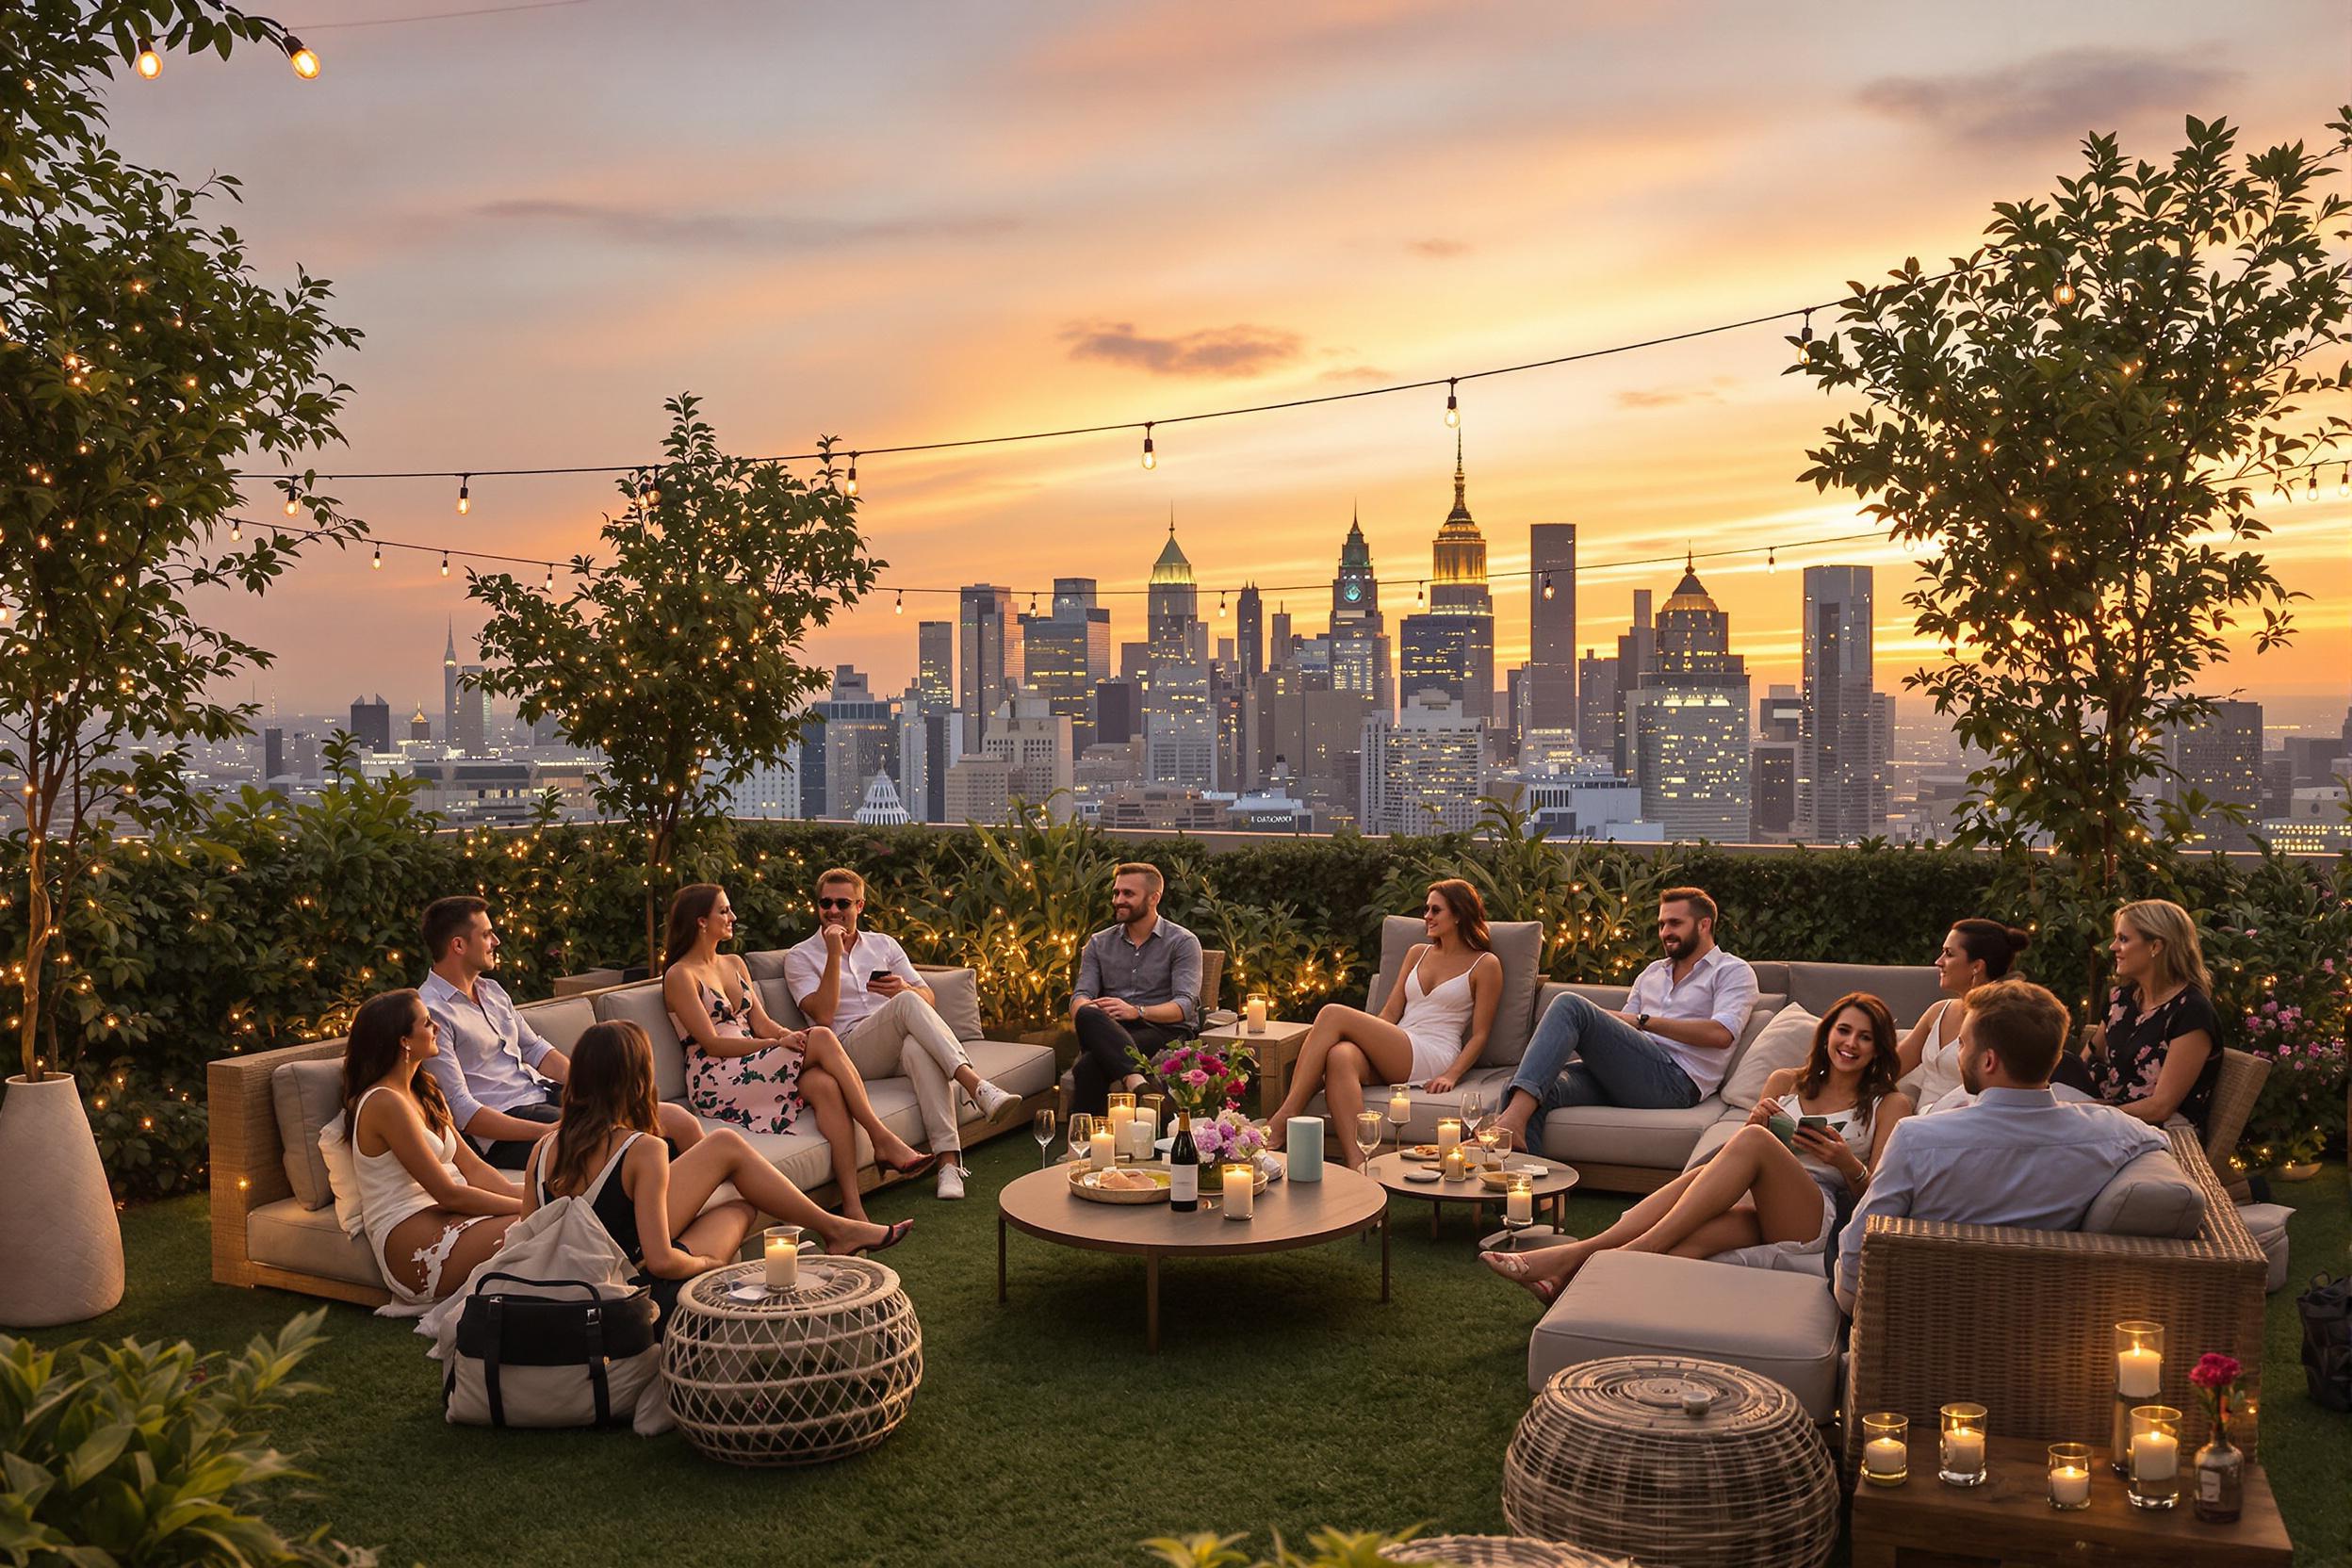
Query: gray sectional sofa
x=273, y=1214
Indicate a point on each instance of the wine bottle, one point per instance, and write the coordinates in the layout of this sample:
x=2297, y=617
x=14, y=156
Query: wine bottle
x=1183, y=1163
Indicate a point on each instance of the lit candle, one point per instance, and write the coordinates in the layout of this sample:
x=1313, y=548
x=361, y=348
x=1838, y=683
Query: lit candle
x=1457, y=1163
x=1519, y=1205
x=1448, y=1135
x=783, y=1257
x=1399, y=1108
x=1964, y=1450
x=1106, y=1150
x=1884, y=1456
x=2155, y=1456
x=2070, y=1486
x=1491, y=1147
x=1241, y=1191
x=1150, y=1120
x=2138, y=1371
x=1254, y=1010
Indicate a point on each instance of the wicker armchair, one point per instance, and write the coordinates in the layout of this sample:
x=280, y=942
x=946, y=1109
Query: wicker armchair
x=2240, y=1085
x=2021, y=1321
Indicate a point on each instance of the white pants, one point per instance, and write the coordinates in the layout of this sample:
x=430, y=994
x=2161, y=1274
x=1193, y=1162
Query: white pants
x=906, y=1030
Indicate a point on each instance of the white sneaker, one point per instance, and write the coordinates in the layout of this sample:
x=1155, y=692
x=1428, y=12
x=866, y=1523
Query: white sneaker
x=951, y=1180
x=991, y=1100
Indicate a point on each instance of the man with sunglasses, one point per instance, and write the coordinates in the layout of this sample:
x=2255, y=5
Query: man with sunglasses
x=860, y=985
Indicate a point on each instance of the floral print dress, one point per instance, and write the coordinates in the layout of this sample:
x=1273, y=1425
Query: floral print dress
x=759, y=1093
x=2136, y=1043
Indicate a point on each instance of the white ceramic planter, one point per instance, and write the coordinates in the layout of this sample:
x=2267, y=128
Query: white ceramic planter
x=61, y=1247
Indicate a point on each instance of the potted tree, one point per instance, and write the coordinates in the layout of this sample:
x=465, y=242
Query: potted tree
x=141, y=362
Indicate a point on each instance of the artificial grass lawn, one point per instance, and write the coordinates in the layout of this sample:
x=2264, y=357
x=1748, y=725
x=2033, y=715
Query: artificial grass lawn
x=1284, y=1397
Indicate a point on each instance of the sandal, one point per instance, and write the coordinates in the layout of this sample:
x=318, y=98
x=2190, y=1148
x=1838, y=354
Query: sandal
x=890, y=1238
x=920, y=1166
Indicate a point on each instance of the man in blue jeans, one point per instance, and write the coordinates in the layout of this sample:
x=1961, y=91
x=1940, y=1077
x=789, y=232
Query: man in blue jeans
x=1665, y=1051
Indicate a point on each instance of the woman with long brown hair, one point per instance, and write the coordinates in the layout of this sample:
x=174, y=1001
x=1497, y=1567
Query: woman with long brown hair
x=744, y=1069
x=1975, y=952
x=608, y=1153
x=1430, y=1030
x=433, y=1208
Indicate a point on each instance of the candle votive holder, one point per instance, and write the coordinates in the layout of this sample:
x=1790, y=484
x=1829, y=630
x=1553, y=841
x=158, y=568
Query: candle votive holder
x=2154, y=1478
x=1960, y=1445
x=1238, y=1190
x=2069, y=1475
x=2139, y=1377
x=1886, y=1448
x=1490, y=1142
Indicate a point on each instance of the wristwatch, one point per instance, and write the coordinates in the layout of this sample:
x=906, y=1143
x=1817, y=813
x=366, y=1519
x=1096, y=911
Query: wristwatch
x=1642, y=1023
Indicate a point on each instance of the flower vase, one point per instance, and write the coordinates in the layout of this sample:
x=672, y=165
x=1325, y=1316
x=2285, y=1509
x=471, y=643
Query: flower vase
x=2220, y=1495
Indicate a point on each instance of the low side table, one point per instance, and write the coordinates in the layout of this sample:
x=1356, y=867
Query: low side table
x=1552, y=1186
x=1276, y=1048
x=2008, y=1522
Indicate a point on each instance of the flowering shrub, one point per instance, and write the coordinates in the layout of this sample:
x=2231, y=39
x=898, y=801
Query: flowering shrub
x=2302, y=1101
x=1201, y=1079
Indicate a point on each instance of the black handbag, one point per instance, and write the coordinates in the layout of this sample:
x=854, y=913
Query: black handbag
x=2326, y=1310
x=546, y=1327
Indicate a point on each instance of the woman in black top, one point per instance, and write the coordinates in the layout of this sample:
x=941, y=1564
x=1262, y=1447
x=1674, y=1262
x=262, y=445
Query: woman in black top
x=2161, y=1040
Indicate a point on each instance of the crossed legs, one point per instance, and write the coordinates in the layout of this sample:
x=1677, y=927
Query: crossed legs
x=727, y=1156
x=1346, y=1049
x=835, y=1092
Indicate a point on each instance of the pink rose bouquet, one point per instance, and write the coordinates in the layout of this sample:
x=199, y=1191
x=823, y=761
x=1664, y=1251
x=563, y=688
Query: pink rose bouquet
x=1201, y=1080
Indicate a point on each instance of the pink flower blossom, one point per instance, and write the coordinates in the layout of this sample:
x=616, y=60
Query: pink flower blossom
x=1196, y=1078
x=2214, y=1371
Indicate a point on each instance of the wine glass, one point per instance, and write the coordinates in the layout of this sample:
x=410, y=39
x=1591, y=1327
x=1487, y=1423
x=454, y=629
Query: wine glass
x=1368, y=1125
x=1080, y=1135
x=1472, y=1114
x=1041, y=1128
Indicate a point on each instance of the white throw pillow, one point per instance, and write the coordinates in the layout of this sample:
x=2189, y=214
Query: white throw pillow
x=1785, y=1042
x=342, y=1177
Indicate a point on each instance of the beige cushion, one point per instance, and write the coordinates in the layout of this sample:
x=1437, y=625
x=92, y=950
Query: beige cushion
x=1760, y=1012
x=958, y=998
x=1016, y=1069
x=767, y=964
x=1616, y=1135
x=1518, y=945
x=775, y=995
x=641, y=1004
x=562, y=1022
x=1781, y=1325
x=2151, y=1197
x=1716, y=1135
x=1783, y=1040
x=285, y=1234
x=1908, y=990
x=308, y=1095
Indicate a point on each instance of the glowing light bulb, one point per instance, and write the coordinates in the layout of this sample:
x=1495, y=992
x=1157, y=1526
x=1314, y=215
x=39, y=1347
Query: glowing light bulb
x=900, y=608
x=378, y=562
x=549, y=584
x=303, y=59
x=1804, y=340
x=851, y=488
x=293, y=500
x=1220, y=604
x=1453, y=409
x=1418, y=597
x=1548, y=589
x=445, y=563
x=2313, y=493
x=236, y=530
x=1150, y=459
x=148, y=63
x=465, y=497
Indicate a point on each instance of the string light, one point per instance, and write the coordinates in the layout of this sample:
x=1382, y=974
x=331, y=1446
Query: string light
x=293, y=499
x=1804, y=340
x=1453, y=409
x=236, y=530
x=1771, y=561
x=378, y=563
x=465, y=497
x=549, y=584
x=445, y=563
x=1416, y=593
x=900, y=608
x=2313, y=493
x=2063, y=293
x=1150, y=459
x=2343, y=481
x=851, y=488
x=1548, y=590
x=303, y=59
x=653, y=488
x=1220, y=604
x=148, y=63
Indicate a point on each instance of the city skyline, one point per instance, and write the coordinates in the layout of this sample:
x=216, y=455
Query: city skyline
x=1030, y=223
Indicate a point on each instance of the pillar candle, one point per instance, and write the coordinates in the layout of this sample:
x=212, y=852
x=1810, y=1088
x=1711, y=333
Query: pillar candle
x=1106, y=1150
x=1884, y=1456
x=1303, y=1148
x=783, y=1261
x=2138, y=1372
x=1519, y=1206
x=1448, y=1135
x=1964, y=1451
x=1121, y=1116
x=1241, y=1191
x=2071, y=1485
x=1254, y=1009
x=2155, y=1456
x=1399, y=1107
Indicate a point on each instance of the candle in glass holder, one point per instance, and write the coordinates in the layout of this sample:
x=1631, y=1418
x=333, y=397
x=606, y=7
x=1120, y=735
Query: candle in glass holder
x=2154, y=1457
x=782, y=1255
x=1885, y=1449
x=2139, y=1375
x=1960, y=1453
x=2069, y=1475
x=1103, y=1149
x=1519, y=1203
x=1254, y=1010
x=1449, y=1135
x=1241, y=1191
x=1399, y=1108
x=1490, y=1148
x=1455, y=1162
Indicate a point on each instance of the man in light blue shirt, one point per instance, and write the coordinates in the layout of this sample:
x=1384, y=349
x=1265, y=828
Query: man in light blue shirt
x=1666, y=1050
x=2018, y=1155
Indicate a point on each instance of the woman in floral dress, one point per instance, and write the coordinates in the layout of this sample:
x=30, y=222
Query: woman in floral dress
x=744, y=1069
x=2161, y=1040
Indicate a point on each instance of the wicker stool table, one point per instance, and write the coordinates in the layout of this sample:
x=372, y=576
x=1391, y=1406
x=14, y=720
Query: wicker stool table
x=800, y=1377
x=1496, y=1551
x=1673, y=1463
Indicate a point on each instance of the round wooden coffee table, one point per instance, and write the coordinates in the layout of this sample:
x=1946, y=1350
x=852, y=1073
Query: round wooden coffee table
x=1554, y=1185
x=1289, y=1215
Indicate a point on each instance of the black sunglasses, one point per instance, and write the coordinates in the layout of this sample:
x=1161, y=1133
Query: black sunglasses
x=834, y=902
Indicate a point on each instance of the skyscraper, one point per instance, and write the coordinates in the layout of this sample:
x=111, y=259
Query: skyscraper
x=473, y=712
x=1359, y=637
x=371, y=723
x=272, y=753
x=1422, y=769
x=1249, y=628
x=1774, y=765
x=935, y=664
x=860, y=738
x=2219, y=757
x=1450, y=647
x=1173, y=608
x=1034, y=744
x=1067, y=654
x=1841, y=789
x=1551, y=678
x=1597, y=714
x=1278, y=644
x=1179, y=728
x=448, y=689
x=1687, y=723
x=420, y=726
x=1636, y=652
x=992, y=657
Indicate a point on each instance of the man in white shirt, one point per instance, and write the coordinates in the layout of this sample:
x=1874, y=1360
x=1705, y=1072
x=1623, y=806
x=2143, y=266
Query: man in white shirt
x=2016, y=1154
x=860, y=985
x=1666, y=1050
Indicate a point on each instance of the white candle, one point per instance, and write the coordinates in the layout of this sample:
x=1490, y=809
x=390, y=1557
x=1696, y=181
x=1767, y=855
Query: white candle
x=1151, y=1120
x=1121, y=1116
x=1884, y=1456
x=1964, y=1451
x=2137, y=1372
x=1254, y=1009
x=1106, y=1150
x=1448, y=1137
x=1399, y=1107
x=783, y=1260
x=2155, y=1456
x=2070, y=1484
x=1519, y=1206
x=1241, y=1191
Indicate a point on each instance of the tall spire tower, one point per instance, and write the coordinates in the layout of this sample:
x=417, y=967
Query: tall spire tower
x=1452, y=646
x=449, y=688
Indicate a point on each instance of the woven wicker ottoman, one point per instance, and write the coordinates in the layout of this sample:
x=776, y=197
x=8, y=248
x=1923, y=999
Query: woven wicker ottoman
x=818, y=1373
x=1673, y=1463
x=1497, y=1551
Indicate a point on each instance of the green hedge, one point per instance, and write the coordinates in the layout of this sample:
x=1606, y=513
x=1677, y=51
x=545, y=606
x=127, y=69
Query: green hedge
x=271, y=928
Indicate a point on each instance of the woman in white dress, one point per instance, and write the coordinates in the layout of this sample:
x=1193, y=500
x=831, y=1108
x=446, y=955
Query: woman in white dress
x=1975, y=952
x=1430, y=1031
x=433, y=1208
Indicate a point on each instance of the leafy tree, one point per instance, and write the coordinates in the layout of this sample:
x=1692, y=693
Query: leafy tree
x=2074, y=423
x=680, y=659
x=141, y=361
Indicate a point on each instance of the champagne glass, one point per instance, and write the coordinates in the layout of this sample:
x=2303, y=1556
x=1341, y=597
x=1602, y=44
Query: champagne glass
x=1473, y=1115
x=1368, y=1125
x=1080, y=1135
x=1041, y=1128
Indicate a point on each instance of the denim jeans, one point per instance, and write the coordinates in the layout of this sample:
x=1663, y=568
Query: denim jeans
x=1581, y=1055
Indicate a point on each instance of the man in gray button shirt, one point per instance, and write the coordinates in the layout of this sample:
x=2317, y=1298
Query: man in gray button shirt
x=1138, y=986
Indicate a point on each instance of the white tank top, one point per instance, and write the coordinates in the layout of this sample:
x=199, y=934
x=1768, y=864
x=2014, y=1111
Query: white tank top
x=1437, y=1022
x=387, y=1193
x=1938, y=1072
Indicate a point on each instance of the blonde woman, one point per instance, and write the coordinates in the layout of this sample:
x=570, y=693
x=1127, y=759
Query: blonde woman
x=2160, y=1049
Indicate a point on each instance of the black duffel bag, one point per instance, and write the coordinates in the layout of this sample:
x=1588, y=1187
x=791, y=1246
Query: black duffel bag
x=2327, y=1313
x=551, y=1353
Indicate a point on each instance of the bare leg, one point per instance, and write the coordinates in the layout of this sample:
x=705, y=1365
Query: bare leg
x=823, y=1094
x=824, y=1051
x=1787, y=1200
x=719, y=1230
x=474, y=1244
x=725, y=1156
x=1389, y=1048
x=680, y=1126
x=1343, y=1092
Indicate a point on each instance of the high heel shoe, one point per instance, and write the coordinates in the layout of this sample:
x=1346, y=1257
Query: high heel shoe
x=920, y=1166
x=890, y=1238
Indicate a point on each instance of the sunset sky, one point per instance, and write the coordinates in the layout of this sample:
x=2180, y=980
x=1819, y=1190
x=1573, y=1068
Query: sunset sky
x=910, y=222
